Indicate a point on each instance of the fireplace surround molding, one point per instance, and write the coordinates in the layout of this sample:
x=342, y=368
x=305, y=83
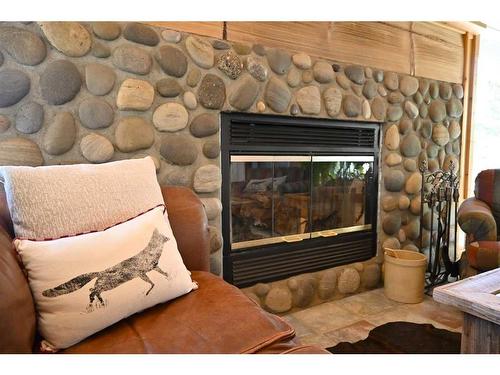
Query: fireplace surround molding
x=95, y=92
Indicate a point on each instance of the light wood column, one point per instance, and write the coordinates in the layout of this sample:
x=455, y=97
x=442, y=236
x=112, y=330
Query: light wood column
x=479, y=336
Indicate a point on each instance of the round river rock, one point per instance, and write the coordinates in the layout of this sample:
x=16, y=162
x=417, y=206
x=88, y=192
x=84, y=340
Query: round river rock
x=96, y=148
x=132, y=59
x=14, y=85
x=25, y=47
x=204, y=125
x=277, y=95
x=170, y=117
x=133, y=133
x=60, y=82
x=212, y=92
x=100, y=79
x=29, y=118
x=95, y=113
x=60, y=135
x=20, y=151
x=140, y=33
x=172, y=61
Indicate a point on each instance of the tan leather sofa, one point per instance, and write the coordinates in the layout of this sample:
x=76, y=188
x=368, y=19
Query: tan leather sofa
x=216, y=318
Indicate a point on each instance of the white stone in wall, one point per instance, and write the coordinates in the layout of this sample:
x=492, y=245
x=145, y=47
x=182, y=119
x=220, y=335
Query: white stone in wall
x=135, y=94
x=170, y=117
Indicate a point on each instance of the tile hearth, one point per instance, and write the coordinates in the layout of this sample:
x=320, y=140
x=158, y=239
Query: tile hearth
x=352, y=318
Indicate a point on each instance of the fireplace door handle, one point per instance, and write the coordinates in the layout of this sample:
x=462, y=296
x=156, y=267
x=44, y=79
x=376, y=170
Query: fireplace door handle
x=328, y=233
x=292, y=238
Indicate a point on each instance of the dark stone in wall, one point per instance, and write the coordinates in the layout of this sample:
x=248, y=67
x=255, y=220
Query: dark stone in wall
x=204, y=125
x=279, y=60
x=14, y=85
x=132, y=59
x=139, y=33
x=25, y=47
x=172, y=61
x=351, y=106
x=106, y=30
x=179, y=150
x=211, y=149
x=60, y=82
x=168, y=87
x=355, y=73
x=212, y=92
x=29, y=118
x=95, y=113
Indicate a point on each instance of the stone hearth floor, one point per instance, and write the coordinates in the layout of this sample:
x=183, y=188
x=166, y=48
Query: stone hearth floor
x=352, y=318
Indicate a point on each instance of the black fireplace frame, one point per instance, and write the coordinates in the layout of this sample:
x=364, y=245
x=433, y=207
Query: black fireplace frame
x=265, y=263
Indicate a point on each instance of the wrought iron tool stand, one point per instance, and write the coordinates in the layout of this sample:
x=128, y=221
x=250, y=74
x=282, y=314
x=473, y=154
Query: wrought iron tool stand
x=439, y=194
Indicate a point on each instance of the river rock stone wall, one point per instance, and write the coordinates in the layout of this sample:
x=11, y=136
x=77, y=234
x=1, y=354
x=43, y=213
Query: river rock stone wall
x=96, y=92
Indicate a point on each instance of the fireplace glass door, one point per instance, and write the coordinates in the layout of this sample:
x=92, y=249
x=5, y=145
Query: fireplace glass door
x=280, y=198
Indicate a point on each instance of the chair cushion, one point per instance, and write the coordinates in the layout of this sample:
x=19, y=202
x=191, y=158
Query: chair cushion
x=487, y=188
x=484, y=255
x=215, y=318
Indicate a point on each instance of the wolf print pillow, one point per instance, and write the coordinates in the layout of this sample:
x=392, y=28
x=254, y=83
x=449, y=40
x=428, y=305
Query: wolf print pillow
x=85, y=283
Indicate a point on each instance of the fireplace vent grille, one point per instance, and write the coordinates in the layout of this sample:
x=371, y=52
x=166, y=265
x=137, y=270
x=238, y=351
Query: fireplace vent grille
x=264, y=134
x=269, y=267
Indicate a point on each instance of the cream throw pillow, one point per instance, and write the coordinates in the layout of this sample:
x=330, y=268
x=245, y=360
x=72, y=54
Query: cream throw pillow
x=85, y=283
x=64, y=200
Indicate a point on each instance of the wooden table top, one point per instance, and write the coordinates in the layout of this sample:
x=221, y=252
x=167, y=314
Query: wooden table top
x=477, y=295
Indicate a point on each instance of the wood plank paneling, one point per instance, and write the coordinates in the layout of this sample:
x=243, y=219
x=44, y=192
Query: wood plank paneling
x=400, y=25
x=373, y=44
x=212, y=29
x=436, y=32
x=309, y=37
x=472, y=46
x=438, y=60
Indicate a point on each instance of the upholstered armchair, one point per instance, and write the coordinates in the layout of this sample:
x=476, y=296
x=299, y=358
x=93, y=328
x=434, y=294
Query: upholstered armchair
x=479, y=218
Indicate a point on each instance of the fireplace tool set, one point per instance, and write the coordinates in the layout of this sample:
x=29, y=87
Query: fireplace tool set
x=439, y=203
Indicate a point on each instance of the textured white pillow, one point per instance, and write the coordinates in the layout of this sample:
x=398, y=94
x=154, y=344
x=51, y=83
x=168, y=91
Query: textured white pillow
x=64, y=200
x=85, y=283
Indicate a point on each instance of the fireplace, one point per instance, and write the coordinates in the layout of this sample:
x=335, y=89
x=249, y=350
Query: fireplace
x=299, y=195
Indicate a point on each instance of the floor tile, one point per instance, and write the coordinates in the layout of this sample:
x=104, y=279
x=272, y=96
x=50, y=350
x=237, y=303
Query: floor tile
x=444, y=315
x=368, y=303
x=352, y=333
x=300, y=328
x=326, y=317
x=322, y=341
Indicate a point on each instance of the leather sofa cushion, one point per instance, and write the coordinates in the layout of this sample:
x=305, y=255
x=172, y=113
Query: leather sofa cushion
x=216, y=318
x=17, y=310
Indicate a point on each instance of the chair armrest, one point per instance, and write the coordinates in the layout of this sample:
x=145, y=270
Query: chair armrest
x=477, y=221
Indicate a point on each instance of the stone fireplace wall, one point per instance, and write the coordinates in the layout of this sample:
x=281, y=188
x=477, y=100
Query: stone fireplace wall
x=97, y=92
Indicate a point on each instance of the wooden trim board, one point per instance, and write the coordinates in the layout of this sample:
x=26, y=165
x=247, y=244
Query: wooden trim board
x=467, y=141
x=477, y=295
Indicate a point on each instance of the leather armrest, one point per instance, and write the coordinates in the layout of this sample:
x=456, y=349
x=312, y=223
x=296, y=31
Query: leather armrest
x=475, y=219
x=17, y=310
x=190, y=226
